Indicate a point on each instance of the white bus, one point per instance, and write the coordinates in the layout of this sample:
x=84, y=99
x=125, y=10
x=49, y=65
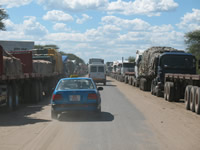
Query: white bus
x=97, y=72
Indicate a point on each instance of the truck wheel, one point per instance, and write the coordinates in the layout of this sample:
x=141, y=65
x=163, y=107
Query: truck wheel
x=197, y=101
x=192, y=98
x=170, y=91
x=54, y=114
x=187, y=97
x=15, y=96
x=133, y=83
x=40, y=91
x=165, y=90
x=10, y=97
x=143, y=84
x=152, y=88
x=130, y=81
x=158, y=92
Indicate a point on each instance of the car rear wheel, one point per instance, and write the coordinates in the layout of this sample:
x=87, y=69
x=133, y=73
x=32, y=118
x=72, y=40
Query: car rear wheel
x=98, y=110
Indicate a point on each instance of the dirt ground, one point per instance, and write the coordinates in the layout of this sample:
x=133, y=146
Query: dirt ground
x=31, y=127
x=176, y=127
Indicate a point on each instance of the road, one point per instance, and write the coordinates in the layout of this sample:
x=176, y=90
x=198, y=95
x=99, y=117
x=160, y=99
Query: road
x=130, y=120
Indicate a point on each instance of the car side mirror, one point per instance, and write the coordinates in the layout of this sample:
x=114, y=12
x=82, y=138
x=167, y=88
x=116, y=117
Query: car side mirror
x=100, y=88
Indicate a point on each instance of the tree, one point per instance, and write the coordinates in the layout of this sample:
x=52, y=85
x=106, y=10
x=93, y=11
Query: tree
x=193, y=42
x=131, y=59
x=3, y=15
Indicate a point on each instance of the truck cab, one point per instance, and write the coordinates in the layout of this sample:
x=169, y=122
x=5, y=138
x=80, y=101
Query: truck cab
x=171, y=62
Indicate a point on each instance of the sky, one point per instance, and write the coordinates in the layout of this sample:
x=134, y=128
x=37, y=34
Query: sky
x=108, y=29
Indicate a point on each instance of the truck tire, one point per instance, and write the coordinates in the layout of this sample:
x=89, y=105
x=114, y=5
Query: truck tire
x=10, y=97
x=166, y=90
x=187, y=97
x=143, y=84
x=197, y=101
x=192, y=98
x=153, y=88
x=158, y=92
x=40, y=91
x=134, y=83
x=130, y=81
x=126, y=79
x=15, y=96
x=170, y=91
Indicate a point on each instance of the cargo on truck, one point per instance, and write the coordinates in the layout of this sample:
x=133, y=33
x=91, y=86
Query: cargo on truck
x=24, y=79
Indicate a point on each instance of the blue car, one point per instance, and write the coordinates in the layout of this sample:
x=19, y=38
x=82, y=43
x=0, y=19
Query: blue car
x=75, y=94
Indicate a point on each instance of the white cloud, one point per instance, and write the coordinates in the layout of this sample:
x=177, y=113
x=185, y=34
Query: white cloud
x=57, y=15
x=33, y=28
x=163, y=28
x=146, y=7
x=83, y=19
x=61, y=27
x=190, y=21
x=135, y=24
x=14, y=3
x=72, y=37
x=30, y=29
x=74, y=5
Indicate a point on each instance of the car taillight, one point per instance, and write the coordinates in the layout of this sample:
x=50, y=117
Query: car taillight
x=57, y=97
x=92, y=96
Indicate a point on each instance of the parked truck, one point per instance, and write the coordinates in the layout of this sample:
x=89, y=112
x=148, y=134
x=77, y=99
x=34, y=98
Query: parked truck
x=157, y=61
x=24, y=80
x=123, y=71
x=170, y=73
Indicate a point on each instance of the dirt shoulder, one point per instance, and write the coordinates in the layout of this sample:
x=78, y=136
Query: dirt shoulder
x=174, y=126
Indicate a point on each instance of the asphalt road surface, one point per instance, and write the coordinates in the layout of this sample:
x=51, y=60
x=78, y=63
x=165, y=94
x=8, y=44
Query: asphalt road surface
x=130, y=120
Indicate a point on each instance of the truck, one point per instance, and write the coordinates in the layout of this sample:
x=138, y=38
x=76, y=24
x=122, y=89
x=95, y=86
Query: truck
x=25, y=80
x=157, y=61
x=169, y=73
x=123, y=71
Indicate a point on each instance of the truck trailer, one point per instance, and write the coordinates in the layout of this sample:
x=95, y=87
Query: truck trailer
x=24, y=80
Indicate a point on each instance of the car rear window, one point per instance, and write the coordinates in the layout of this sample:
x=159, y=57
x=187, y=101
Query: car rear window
x=75, y=84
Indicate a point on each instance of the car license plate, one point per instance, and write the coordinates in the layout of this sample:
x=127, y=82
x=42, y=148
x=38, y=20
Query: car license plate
x=74, y=97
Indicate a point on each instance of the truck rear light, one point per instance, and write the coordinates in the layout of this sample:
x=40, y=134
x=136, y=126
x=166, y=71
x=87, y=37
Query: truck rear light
x=92, y=96
x=57, y=97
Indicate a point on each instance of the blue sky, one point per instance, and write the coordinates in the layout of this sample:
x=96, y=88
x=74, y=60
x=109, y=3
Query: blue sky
x=109, y=29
